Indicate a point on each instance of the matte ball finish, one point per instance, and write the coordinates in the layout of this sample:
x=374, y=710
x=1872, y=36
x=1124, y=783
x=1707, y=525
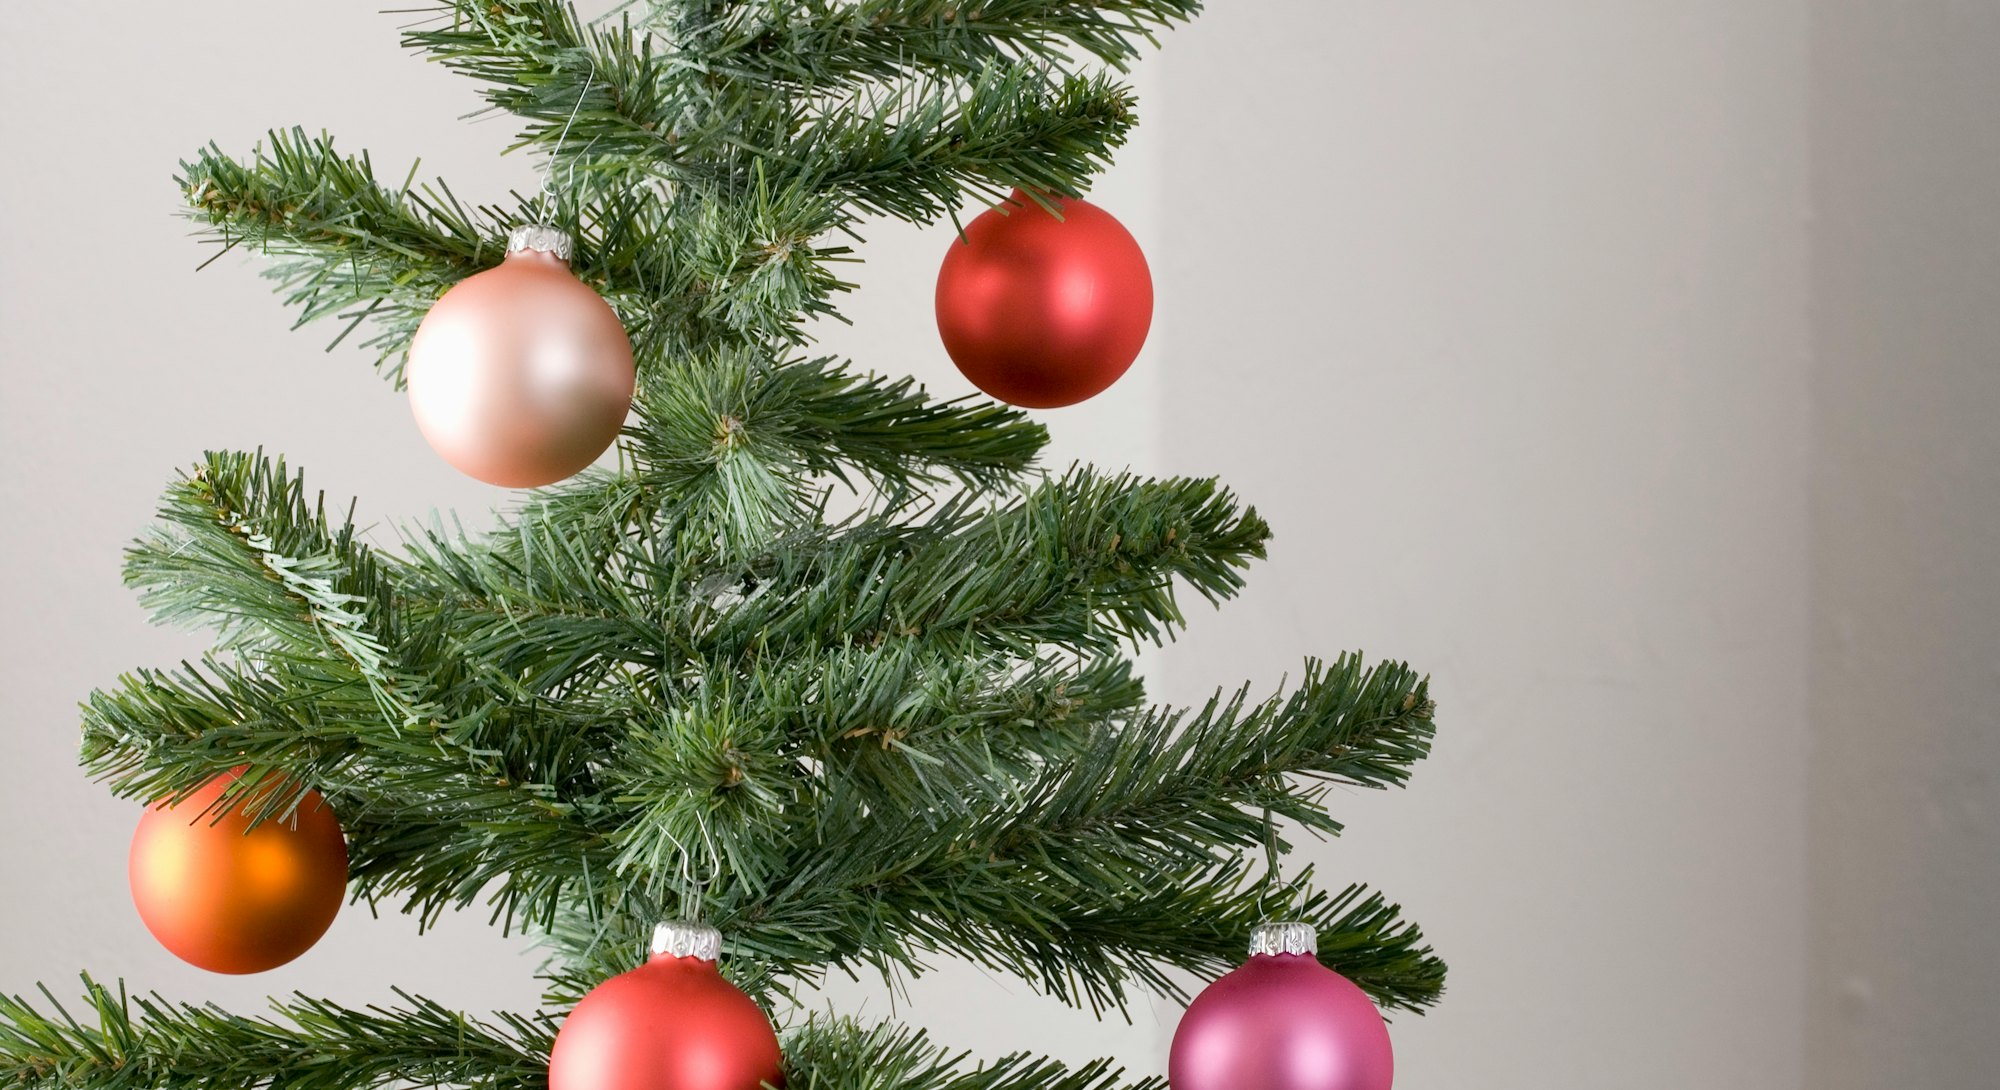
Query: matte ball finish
x=521, y=375
x=1041, y=312
x=231, y=899
x=1281, y=1022
x=671, y=1024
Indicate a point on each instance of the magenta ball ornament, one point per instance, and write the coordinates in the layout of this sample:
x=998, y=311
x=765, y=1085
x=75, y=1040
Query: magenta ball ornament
x=521, y=375
x=1281, y=1021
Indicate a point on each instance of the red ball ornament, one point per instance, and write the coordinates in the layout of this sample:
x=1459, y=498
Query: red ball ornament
x=671, y=1024
x=1043, y=312
x=1282, y=1021
x=232, y=899
x=521, y=375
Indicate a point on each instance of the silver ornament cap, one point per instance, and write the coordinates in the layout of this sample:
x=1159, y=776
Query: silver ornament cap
x=687, y=939
x=1287, y=937
x=541, y=238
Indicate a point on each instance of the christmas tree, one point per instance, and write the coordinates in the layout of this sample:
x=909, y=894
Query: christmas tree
x=827, y=664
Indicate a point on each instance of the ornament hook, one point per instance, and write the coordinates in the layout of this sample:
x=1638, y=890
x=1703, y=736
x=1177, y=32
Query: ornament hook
x=1273, y=868
x=549, y=173
x=693, y=889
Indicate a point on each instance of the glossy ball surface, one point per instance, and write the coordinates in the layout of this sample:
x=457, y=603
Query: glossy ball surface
x=671, y=1024
x=232, y=899
x=521, y=375
x=1281, y=1022
x=1043, y=312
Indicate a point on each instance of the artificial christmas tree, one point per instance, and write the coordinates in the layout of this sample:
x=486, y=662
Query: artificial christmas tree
x=681, y=689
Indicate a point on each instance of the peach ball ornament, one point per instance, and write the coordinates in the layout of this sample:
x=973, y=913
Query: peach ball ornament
x=230, y=898
x=521, y=375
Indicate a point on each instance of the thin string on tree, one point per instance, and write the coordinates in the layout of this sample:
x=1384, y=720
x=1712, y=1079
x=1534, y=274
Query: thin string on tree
x=1274, y=873
x=549, y=171
x=694, y=889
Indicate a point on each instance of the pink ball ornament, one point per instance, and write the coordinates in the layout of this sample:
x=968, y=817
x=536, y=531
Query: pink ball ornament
x=1282, y=1021
x=521, y=375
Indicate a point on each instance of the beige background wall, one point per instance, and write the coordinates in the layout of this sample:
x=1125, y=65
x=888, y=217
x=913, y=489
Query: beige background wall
x=1513, y=356
x=1500, y=312
x=1905, y=811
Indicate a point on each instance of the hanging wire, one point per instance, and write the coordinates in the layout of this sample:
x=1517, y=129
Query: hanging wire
x=1273, y=871
x=549, y=174
x=698, y=894
x=692, y=888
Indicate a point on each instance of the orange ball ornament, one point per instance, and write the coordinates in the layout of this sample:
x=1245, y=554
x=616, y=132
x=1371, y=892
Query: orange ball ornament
x=671, y=1024
x=521, y=375
x=232, y=899
x=1043, y=312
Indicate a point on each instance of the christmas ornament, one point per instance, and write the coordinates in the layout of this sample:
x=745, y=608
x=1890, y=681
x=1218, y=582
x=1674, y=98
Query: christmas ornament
x=521, y=375
x=233, y=899
x=671, y=1024
x=1282, y=1021
x=1043, y=312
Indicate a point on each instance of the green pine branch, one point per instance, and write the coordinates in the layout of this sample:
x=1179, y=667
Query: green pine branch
x=126, y=1042
x=915, y=151
x=730, y=785
x=684, y=275
x=730, y=252
x=1174, y=789
x=129, y=1042
x=1128, y=827
x=163, y=734
x=441, y=818
x=557, y=601
x=340, y=243
x=243, y=549
x=944, y=733
x=1083, y=562
x=613, y=89
x=816, y=45
x=1185, y=920
x=840, y=1054
x=704, y=104
x=580, y=586
x=734, y=448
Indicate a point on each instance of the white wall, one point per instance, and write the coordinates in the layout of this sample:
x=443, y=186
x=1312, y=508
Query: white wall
x=122, y=366
x=1498, y=311
x=1906, y=534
